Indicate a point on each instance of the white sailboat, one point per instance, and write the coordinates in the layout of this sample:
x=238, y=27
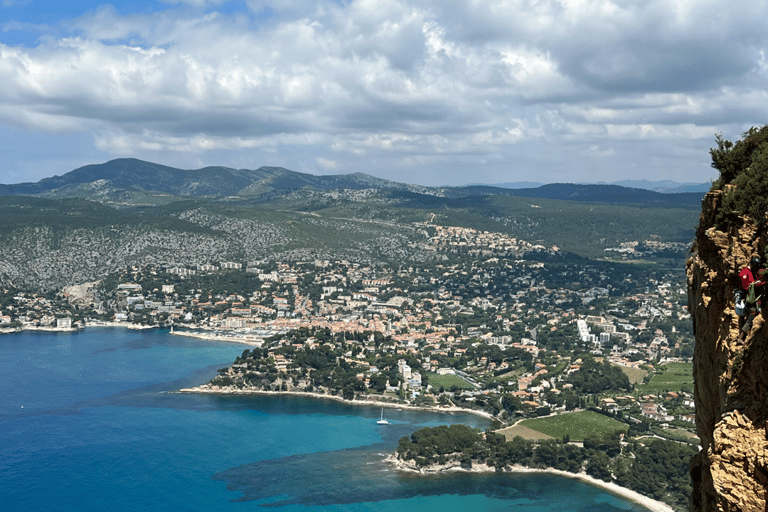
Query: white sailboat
x=382, y=421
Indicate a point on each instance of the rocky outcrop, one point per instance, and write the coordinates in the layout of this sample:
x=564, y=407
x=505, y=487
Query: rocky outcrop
x=730, y=473
x=453, y=464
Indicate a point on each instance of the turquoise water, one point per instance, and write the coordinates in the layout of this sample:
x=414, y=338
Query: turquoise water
x=89, y=421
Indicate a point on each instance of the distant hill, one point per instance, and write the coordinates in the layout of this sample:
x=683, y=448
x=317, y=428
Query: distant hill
x=516, y=184
x=665, y=186
x=613, y=194
x=126, y=182
x=662, y=186
x=138, y=175
x=701, y=188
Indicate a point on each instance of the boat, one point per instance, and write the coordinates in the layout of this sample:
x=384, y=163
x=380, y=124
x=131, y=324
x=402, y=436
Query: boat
x=382, y=421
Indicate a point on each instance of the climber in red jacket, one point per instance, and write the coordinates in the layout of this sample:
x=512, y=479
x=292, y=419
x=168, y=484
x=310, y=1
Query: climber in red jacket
x=749, y=273
x=755, y=277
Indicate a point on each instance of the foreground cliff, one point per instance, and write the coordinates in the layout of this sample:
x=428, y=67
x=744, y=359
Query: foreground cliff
x=731, y=377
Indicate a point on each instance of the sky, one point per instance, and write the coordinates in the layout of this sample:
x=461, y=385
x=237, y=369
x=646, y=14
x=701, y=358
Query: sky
x=429, y=92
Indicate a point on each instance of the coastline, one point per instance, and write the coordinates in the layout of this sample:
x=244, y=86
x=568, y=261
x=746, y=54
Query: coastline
x=34, y=328
x=213, y=336
x=628, y=494
x=625, y=493
x=336, y=398
x=14, y=330
x=126, y=325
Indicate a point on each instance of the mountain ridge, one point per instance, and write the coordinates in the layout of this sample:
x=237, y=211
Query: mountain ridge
x=131, y=181
x=661, y=186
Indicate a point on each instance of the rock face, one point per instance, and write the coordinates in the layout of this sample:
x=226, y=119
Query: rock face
x=731, y=376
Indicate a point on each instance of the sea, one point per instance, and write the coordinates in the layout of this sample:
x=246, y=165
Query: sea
x=91, y=421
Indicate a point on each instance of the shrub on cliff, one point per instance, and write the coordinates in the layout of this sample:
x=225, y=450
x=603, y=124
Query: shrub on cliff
x=732, y=159
x=744, y=165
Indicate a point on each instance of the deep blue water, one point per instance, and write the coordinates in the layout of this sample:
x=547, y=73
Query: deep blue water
x=89, y=421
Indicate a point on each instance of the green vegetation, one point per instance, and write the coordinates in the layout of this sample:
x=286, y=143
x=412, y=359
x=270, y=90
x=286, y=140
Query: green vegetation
x=673, y=377
x=524, y=432
x=678, y=435
x=658, y=469
x=448, y=382
x=582, y=228
x=102, y=230
x=597, y=377
x=64, y=215
x=635, y=375
x=745, y=165
x=586, y=229
x=577, y=425
x=312, y=368
x=431, y=444
x=732, y=159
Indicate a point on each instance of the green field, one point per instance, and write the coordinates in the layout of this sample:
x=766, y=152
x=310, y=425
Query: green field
x=446, y=381
x=634, y=375
x=678, y=435
x=673, y=376
x=577, y=425
x=526, y=433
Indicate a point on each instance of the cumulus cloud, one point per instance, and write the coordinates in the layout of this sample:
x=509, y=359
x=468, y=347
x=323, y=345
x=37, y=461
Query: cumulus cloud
x=506, y=87
x=325, y=163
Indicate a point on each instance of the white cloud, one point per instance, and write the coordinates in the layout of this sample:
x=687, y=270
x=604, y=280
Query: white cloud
x=326, y=164
x=385, y=82
x=596, y=150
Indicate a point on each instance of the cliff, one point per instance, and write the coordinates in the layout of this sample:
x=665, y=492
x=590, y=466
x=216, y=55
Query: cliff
x=730, y=473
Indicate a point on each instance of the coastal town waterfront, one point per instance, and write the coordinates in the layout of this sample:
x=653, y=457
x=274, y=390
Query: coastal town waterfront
x=587, y=359
x=90, y=421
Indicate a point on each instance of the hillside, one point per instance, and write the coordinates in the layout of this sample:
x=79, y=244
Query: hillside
x=97, y=219
x=49, y=244
x=128, y=181
x=132, y=175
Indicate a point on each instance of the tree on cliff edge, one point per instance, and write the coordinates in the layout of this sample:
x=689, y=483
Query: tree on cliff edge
x=744, y=165
x=732, y=159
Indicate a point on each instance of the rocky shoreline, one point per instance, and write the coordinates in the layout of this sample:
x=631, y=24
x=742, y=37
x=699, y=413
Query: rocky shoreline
x=645, y=501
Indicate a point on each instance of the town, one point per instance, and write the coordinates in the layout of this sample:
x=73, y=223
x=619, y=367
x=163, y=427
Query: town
x=490, y=323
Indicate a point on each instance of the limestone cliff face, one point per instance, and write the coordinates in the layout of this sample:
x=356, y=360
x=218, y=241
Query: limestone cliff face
x=731, y=377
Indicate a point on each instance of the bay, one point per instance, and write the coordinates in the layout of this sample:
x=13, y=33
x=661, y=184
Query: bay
x=91, y=421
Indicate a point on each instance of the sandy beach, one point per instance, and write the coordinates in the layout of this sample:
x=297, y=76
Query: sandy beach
x=649, y=503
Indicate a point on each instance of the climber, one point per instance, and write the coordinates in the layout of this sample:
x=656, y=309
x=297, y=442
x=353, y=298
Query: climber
x=749, y=273
x=756, y=279
x=746, y=277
